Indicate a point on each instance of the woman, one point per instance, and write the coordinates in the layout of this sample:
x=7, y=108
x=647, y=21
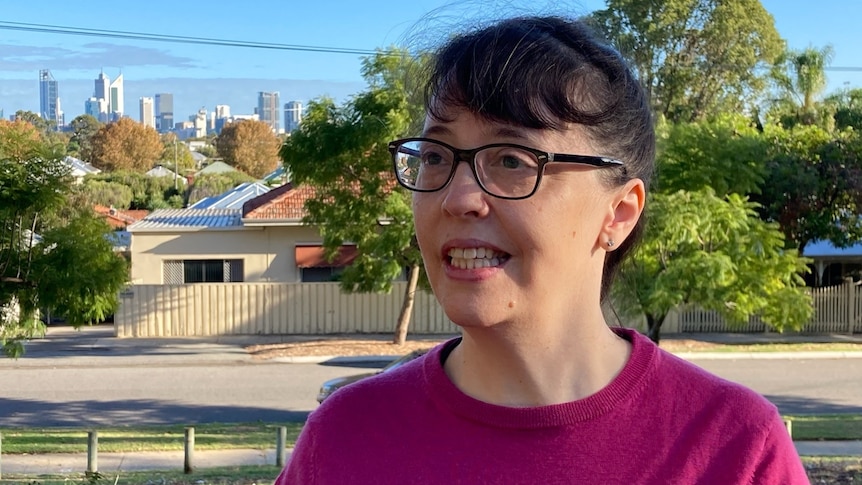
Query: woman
x=520, y=243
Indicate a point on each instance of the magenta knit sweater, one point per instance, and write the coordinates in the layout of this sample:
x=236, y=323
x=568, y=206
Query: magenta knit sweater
x=661, y=421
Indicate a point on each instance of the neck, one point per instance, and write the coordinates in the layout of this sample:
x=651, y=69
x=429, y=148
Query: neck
x=528, y=366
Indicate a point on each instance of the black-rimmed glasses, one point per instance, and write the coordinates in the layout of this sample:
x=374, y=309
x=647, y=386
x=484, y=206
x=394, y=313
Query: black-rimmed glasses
x=504, y=170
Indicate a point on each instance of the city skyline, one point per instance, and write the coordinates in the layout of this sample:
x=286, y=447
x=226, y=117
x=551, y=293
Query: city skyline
x=206, y=75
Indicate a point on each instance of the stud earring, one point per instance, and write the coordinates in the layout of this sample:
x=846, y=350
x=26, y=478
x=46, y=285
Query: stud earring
x=611, y=243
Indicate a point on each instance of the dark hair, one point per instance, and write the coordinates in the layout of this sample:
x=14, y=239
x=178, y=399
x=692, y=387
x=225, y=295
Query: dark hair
x=546, y=73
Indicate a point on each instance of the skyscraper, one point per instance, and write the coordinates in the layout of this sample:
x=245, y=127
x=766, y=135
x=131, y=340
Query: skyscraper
x=102, y=92
x=49, y=99
x=116, y=100
x=164, y=112
x=292, y=115
x=148, y=113
x=268, y=109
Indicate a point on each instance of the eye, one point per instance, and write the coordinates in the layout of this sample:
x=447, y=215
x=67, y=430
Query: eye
x=513, y=159
x=433, y=155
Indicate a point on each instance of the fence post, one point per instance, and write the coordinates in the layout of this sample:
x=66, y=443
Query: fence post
x=789, y=425
x=188, y=464
x=279, y=446
x=850, y=294
x=93, y=451
x=1, y=455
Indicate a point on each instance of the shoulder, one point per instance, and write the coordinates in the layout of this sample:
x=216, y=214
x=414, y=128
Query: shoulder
x=680, y=385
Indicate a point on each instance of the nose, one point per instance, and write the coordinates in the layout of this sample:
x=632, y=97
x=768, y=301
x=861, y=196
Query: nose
x=463, y=195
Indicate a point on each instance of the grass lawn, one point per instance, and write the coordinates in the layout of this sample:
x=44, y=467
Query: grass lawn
x=146, y=438
x=827, y=427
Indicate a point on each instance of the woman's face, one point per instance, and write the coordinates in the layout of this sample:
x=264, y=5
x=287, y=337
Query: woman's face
x=491, y=260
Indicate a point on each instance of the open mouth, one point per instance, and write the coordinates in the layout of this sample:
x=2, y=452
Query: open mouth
x=472, y=258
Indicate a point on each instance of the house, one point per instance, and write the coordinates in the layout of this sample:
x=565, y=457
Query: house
x=234, y=198
x=216, y=167
x=79, y=168
x=263, y=241
x=832, y=264
x=161, y=171
x=119, y=219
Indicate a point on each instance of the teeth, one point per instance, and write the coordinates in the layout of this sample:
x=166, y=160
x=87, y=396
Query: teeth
x=472, y=258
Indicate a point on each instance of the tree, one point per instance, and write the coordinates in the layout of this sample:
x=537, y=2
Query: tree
x=209, y=185
x=41, y=124
x=800, y=77
x=176, y=154
x=717, y=254
x=813, y=187
x=125, y=145
x=146, y=192
x=846, y=107
x=53, y=252
x=250, y=146
x=84, y=127
x=342, y=151
x=725, y=153
x=696, y=58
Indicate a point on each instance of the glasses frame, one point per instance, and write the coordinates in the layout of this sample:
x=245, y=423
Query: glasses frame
x=469, y=156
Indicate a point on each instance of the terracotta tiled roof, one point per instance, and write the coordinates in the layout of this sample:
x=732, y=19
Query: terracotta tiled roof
x=118, y=219
x=285, y=202
x=288, y=201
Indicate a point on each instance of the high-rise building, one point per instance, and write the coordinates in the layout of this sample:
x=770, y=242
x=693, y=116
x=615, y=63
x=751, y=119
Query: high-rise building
x=268, y=109
x=148, y=112
x=103, y=84
x=115, y=102
x=164, y=112
x=292, y=115
x=222, y=111
x=97, y=108
x=49, y=99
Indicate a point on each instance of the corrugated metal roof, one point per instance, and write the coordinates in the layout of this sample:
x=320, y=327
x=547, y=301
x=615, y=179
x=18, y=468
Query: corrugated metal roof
x=80, y=167
x=216, y=167
x=825, y=249
x=232, y=199
x=166, y=219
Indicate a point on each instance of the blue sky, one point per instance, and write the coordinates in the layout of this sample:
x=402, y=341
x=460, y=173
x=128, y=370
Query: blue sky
x=203, y=76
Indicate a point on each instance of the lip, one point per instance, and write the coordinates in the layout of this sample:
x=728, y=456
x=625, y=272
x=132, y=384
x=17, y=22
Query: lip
x=475, y=274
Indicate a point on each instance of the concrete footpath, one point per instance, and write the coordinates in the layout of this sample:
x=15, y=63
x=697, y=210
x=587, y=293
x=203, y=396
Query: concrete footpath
x=94, y=346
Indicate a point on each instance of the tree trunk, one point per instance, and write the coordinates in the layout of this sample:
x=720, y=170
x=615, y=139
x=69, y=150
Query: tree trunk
x=654, y=327
x=406, y=308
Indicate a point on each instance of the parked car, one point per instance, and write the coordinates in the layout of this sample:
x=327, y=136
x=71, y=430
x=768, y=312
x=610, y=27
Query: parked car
x=333, y=385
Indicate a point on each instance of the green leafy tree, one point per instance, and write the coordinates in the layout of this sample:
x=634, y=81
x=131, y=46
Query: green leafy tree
x=846, y=108
x=209, y=185
x=725, y=153
x=176, y=155
x=147, y=192
x=53, y=252
x=813, y=187
x=714, y=253
x=696, y=58
x=84, y=127
x=250, y=146
x=342, y=152
x=108, y=194
x=208, y=151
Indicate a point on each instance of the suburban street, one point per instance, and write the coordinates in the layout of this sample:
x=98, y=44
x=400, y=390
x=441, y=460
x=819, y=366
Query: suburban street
x=115, y=382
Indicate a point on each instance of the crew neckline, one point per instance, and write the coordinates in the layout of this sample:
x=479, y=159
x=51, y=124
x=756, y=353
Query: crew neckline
x=626, y=384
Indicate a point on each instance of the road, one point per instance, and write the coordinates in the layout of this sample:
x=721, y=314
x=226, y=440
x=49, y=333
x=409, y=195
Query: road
x=798, y=386
x=103, y=381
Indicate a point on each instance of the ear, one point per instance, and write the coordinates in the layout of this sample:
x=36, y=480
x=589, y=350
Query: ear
x=625, y=211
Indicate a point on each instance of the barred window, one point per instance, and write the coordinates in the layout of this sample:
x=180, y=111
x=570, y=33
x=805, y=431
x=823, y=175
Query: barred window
x=179, y=271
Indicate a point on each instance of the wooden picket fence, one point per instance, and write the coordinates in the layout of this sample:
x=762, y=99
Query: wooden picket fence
x=322, y=308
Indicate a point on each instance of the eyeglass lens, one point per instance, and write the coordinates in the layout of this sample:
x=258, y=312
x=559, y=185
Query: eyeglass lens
x=502, y=170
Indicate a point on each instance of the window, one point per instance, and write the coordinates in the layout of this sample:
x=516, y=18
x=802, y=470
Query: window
x=179, y=271
x=320, y=275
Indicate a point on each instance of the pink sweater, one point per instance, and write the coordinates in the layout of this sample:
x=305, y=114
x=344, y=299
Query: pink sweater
x=661, y=421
